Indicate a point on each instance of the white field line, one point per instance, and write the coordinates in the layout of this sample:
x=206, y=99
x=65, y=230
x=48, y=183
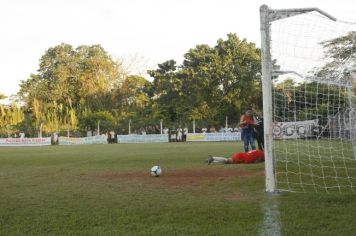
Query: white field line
x=271, y=221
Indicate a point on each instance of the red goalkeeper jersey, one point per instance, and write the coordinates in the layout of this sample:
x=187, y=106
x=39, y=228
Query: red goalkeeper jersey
x=248, y=157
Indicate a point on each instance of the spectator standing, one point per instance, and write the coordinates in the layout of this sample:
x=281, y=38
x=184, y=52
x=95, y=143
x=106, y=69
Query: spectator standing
x=259, y=133
x=247, y=124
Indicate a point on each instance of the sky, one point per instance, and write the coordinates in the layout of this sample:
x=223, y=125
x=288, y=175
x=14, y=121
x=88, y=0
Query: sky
x=146, y=31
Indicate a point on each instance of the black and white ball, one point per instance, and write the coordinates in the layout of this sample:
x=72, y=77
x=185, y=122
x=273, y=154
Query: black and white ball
x=156, y=171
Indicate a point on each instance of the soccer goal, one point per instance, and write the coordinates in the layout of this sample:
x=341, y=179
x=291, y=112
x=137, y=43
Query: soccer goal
x=309, y=102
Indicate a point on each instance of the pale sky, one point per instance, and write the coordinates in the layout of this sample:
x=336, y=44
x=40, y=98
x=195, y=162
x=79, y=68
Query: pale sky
x=155, y=30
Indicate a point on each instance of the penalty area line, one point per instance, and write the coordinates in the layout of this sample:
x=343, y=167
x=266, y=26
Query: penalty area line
x=271, y=224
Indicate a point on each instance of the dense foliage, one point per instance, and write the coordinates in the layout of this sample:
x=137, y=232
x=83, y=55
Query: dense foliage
x=83, y=88
x=212, y=83
x=80, y=89
x=325, y=96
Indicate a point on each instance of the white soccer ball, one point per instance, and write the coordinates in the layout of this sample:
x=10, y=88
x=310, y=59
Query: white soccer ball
x=156, y=171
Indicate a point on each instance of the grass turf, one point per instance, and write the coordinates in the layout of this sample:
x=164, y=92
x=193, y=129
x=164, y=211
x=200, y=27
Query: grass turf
x=93, y=190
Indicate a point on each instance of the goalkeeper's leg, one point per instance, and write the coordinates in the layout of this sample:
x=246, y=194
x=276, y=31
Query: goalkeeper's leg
x=218, y=160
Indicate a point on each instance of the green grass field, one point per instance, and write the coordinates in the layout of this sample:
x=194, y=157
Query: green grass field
x=107, y=190
x=316, y=165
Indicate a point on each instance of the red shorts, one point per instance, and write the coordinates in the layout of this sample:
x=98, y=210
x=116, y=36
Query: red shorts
x=248, y=157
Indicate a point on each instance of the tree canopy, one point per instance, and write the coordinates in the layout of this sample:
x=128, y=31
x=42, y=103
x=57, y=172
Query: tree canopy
x=340, y=54
x=323, y=96
x=78, y=88
x=212, y=83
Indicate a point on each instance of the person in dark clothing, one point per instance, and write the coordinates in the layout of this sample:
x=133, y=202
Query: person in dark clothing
x=259, y=134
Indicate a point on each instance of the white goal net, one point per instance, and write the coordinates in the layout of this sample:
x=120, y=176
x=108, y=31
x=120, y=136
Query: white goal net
x=314, y=105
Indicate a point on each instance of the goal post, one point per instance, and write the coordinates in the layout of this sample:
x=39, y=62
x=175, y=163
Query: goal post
x=308, y=84
x=267, y=97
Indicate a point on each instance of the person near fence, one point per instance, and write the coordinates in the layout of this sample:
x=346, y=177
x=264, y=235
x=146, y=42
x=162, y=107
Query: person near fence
x=259, y=134
x=247, y=124
x=185, y=133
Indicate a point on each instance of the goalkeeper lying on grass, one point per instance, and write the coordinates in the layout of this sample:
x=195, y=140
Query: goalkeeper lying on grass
x=253, y=156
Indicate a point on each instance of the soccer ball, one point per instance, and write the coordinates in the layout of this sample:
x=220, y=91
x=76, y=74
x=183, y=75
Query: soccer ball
x=156, y=171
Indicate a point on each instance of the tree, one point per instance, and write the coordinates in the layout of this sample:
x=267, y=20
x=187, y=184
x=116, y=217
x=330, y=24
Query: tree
x=72, y=78
x=90, y=120
x=73, y=84
x=67, y=76
x=213, y=82
x=10, y=117
x=225, y=78
x=167, y=93
x=133, y=102
x=340, y=54
x=2, y=96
